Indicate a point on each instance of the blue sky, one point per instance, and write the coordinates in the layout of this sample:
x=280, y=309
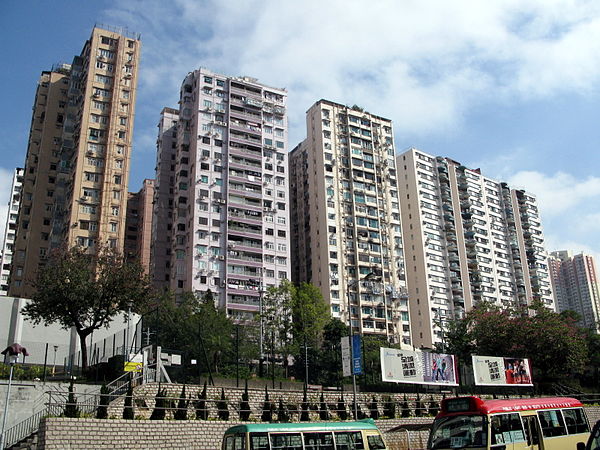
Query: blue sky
x=511, y=87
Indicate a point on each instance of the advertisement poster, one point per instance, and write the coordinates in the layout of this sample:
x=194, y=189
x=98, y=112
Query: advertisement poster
x=405, y=366
x=501, y=371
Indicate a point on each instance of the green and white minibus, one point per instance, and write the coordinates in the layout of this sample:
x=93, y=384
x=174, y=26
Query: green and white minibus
x=359, y=435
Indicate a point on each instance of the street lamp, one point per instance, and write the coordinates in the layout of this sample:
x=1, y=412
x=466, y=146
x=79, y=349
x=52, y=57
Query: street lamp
x=12, y=352
x=54, y=362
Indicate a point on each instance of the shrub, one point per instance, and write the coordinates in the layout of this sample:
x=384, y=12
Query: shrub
x=102, y=411
x=282, y=413
x=268, y=407
x=222, y=408
x=341, y=408
x=323, y=411
x=389, y=407
x=374, y=407
x=182, y=406
x=419, y=406
x=128, y=408
x=201, y=408
x=304, y=415
x=405, y=407
x=245, y=405
x=160, y=405
x=433, y=407
x=71, y=409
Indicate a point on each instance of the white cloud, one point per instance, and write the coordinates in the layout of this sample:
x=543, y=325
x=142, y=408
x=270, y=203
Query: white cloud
x=422, y=63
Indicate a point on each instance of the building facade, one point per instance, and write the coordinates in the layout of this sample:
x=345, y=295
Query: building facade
x=77, y=165
x=10, y=230
x=346, y=223
x=162, y=212
x=230, y=226
x=138, y=225
x=468, y=239
x=575, y=283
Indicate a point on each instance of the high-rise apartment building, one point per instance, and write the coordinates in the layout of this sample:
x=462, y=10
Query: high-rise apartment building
x=138, y=224
x=162, y=213
x=346, y=224
x=230, y=226
x=10, y=230
x=467, y=239
x=575, y=283
x=77, y=165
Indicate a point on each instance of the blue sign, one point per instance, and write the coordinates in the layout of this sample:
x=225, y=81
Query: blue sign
x=356, y=355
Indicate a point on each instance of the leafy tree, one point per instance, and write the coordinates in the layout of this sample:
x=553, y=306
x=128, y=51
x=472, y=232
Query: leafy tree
x=201, y=409
x=102, y=411
x=160, y=404
x=71, y=409
x=326, y=366
x=128, y=407
x=222, y=408
x=277, y=319
x=84, y=291
x=182, y=406
x=245, y=405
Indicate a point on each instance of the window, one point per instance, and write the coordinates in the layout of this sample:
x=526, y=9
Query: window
x=552, y=423
x=575, y=420
x=125, y=95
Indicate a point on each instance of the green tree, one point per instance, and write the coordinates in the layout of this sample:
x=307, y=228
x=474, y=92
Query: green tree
x=84, y=291
x=222, y=408
x=245, y=405
x=71, y=408
x=102, y=411
x=326, y=366
x=182, y=406
x=160, y=404
x=201, y=408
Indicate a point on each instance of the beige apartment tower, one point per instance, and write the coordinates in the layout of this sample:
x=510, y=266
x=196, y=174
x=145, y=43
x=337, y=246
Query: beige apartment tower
x=346, y=231
x=468, y=239
x=77, y=166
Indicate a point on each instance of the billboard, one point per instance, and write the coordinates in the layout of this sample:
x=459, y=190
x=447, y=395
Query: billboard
x=406, y=366
x=501, y=371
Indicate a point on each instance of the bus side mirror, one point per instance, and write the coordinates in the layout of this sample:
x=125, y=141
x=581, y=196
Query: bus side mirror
x=581, y=446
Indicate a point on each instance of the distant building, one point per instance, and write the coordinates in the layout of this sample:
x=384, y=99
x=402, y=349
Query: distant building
x=10, y=230
x=575, y=282
x=77, y=164
x=227, y=185
x=138, y=224
x=162, y=213
x=346, y=226
x=467, y=239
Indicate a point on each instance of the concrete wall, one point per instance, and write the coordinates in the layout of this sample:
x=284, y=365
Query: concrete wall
x=63, y=433
x=29, y=397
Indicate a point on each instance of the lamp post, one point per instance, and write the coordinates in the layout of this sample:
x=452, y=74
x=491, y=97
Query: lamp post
x=54, y=361
x=12, y=352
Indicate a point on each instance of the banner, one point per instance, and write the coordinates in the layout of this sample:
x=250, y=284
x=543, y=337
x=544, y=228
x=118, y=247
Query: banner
x=405, y=366
x=500, y=371
x=351, y=363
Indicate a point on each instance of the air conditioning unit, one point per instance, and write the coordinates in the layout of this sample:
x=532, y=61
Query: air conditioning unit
x=222, y=201
x=127, y=75
x=231, y=245
x=221, y=258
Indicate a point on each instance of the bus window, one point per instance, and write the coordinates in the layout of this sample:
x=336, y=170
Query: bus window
x=259, y=441
x=234, y=443
x=552, y=423
x=349, y=440
x=458, y=431
x=506, y=428
x=287, y=441
x=319, y=441
x=576, y=421
x=375, y=442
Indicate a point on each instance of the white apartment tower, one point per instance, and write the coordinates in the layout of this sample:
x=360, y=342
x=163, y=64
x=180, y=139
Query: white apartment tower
x=230, y=226
x=575, y=283
x=468, y=239
x=162, y=211
x=346, y=227
x=10, y=230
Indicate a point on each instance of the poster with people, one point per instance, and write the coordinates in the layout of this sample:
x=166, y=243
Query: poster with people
x=405, y=366
x=501, y=371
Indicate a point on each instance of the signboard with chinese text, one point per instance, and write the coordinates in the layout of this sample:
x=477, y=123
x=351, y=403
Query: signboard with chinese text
x=501, y=371
x=406, y=366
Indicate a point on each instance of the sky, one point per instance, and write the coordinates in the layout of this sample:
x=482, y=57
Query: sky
x=510, y=87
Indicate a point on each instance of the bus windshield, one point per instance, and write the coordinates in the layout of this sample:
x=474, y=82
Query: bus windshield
x=462, y=431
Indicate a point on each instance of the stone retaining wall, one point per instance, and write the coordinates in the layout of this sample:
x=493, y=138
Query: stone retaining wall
x=73, y=434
